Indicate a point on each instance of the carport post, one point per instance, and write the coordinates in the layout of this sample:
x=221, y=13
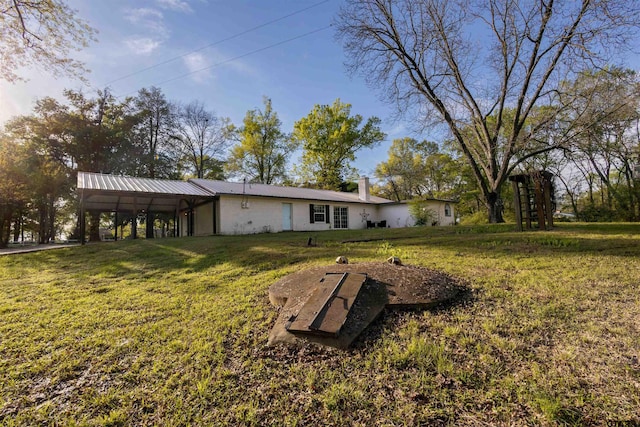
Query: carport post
x=115, y=226
x=134, y=227
x=175, y=222
x=82, y=225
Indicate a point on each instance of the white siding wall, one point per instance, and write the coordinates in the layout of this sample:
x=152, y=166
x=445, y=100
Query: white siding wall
x=447, y=220
x=238, y=215
x=397, y=215
x=439, y=209
x=182, y=224
x=203, y=219
x=264, y=215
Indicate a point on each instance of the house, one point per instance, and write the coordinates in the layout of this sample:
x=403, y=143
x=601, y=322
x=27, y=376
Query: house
x=204, y=207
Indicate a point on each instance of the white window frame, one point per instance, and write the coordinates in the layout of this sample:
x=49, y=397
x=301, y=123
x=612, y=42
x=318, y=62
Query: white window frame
x=319, y=213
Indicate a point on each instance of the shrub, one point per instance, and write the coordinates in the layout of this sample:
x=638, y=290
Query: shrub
x=422, y=214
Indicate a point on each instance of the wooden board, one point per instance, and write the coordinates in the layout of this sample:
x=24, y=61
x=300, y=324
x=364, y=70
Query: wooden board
x=328, y=306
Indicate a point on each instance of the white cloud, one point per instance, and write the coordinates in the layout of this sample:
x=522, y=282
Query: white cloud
x=150, y=19
x=150, y=25
x=177, y=5
x=142, y=45
x=399, y=129
x=198, y=64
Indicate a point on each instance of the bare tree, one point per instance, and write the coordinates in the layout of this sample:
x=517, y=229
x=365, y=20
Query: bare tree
x=482, y=67
x=201, y=137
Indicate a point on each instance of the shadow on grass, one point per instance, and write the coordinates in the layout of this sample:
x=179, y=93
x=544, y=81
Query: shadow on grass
x=584, y=239
x=391, y=316
x=255, y=253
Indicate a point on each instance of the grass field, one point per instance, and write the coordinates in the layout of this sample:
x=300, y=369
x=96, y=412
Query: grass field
x=174, y=331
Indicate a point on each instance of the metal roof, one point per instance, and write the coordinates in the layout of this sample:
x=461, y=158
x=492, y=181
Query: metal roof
x=265, y=190
x=111, y=193
x=103, y=182
x=102, y=192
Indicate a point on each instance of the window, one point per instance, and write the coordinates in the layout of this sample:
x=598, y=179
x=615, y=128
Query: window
x=447, y=209
x=318, y=213
x=340, y=217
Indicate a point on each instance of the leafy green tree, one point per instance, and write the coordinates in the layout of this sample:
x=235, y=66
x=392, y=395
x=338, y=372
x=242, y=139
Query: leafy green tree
x=154, y=134
x=47, y=177
x=403, y=173
x=421, y=213
x=13, y=184
x=262, y=152
x=602, y=119
x=330, y=137
x=100, y=138
x=98, y=132
x=87, y=134
x=465, y=64
x=417, y=169
x=41, y=33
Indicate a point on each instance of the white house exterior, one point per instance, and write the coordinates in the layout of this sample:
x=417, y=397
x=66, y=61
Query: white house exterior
x=397, y=213
x=206, y=207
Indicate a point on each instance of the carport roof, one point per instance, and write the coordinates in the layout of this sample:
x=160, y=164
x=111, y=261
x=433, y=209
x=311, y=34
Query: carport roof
x=102, y=192
x=104, y=182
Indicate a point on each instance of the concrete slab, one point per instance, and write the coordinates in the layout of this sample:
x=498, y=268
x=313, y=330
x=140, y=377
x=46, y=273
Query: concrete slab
x=387, y=285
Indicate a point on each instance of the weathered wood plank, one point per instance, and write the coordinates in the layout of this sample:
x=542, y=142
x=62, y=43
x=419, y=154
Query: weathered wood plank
x=336, y=309
x=326, y=310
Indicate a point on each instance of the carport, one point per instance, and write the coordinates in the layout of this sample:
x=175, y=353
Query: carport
x=100, y=193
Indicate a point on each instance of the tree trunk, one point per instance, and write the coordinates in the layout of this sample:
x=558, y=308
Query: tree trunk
x=149, y=223
x=494, y=208
x=5, y=227
x=42, y=223
x=17, y=226
x=52, y=220
x=94, y=226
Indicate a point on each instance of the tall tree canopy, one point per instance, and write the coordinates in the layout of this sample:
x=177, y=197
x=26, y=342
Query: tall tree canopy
x=91, y=134
x=416, y=169
x=98, y=132
x=330, y=137
x=602, y=118
x=465, y=64
x=158, y=122
x=14, y=183
x=262, y=152
x=40, y=33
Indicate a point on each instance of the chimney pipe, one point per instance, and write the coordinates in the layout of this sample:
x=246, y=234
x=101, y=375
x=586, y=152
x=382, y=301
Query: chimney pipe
x=363, y=189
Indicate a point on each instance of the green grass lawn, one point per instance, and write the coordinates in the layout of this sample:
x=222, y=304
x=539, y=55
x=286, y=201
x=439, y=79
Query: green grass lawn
x=174, y=331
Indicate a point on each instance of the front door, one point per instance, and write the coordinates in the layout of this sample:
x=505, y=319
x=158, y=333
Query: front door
x=286, y=216
x=340, y=217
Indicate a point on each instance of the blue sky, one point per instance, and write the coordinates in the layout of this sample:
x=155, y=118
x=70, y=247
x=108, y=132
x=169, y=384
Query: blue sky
x=164, y=43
